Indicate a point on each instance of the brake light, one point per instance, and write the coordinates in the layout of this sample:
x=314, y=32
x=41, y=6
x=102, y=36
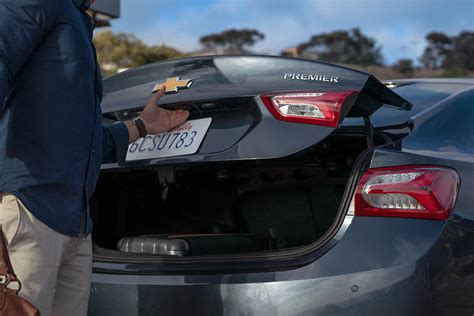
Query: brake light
x=320, y=108
x=427, y=192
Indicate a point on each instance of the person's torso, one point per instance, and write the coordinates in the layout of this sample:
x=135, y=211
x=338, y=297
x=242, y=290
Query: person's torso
x=50, y=134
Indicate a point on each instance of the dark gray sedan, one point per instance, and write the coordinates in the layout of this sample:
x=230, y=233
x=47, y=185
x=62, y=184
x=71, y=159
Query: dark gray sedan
x=295, y=188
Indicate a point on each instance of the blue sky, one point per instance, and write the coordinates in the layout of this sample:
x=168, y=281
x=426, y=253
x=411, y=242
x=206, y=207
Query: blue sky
x=398, y=25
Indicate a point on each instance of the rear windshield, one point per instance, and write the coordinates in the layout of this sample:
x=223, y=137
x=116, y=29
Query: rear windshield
x=421, y=94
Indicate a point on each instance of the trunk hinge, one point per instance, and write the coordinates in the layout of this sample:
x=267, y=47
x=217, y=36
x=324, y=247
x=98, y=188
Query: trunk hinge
x=167, y=178
x=369, y=128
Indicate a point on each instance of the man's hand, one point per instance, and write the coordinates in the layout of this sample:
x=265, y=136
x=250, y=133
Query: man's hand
x=157, y=120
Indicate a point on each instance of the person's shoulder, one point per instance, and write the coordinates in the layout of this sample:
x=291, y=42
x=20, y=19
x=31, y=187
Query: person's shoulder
x=39, y=3
x=52, y=5
x=35, y=4
x=42, y=12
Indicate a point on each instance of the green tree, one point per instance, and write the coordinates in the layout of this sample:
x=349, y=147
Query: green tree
x=348, y=47
x=125, y=50
x=404, y=66
x=461, y=55
x=439, y=45
x=232, y=41
x=451, y=53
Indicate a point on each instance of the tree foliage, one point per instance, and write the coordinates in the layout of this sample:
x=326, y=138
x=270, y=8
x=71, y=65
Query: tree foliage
x=125, y=50
x=348, y=47
x=438, y=46
x=404, y=66
x=454, y=52
x=232, y=41
x=461, y=56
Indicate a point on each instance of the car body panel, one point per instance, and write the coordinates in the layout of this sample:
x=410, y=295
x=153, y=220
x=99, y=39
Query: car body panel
x=215, y=77
x=441, y=136
x=424, y=94
x=371, y=266
x=239, y=135
x=242, y=126
x=384, y=261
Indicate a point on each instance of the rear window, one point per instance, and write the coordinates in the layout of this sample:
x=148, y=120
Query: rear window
x=422, y=95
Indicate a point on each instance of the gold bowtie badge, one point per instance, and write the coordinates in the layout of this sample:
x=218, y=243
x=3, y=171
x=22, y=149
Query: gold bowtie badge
x=173, y=85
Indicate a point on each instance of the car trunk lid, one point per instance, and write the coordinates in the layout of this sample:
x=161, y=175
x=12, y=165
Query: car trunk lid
x=229, y=88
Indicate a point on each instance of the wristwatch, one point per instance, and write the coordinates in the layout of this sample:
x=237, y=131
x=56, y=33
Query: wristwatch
x=138, y=122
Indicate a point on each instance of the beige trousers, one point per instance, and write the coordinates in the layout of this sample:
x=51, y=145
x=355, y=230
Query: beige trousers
x=55, y=270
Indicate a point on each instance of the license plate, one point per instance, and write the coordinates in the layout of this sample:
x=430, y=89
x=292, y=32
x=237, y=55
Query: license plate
x=182, y=140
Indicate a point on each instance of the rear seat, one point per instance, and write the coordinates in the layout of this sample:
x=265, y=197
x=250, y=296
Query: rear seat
x=295, y=216
x=283, y=213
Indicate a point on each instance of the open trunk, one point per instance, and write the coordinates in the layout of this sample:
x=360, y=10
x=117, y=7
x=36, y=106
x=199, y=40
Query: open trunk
x=260, y=167
x=224, y=208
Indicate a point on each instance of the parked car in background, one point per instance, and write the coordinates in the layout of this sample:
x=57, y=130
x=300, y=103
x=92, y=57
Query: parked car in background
x=295, y=187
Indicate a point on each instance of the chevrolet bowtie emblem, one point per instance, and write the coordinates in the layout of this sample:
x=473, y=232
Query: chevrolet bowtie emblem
x=173, y=85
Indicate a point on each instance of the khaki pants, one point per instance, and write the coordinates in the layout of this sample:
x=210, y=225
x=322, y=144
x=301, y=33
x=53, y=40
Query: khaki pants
x=55, y=270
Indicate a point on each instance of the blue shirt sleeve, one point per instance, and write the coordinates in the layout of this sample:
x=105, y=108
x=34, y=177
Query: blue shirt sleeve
x=114, y=143
x=22, y=26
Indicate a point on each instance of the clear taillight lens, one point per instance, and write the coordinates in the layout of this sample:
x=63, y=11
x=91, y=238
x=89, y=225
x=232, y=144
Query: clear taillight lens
x=407, y=191
x=320, y=108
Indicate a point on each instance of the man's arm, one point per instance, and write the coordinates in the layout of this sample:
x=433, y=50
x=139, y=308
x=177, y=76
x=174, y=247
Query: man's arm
x=118, y=136
x=22, y=26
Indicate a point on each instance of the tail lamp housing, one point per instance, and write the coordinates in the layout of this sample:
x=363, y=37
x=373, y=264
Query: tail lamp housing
x=319, y=108
x=427, y=192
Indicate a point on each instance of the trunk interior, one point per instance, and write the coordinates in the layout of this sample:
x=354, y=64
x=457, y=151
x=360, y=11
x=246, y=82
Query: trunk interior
x=225, y=208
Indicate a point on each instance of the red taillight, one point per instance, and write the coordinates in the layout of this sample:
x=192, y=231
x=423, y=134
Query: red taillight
x=407, y=191
x=320, y=108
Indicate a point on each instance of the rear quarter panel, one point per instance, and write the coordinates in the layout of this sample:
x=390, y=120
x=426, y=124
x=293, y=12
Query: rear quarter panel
x=443, y=135
x=381, y=265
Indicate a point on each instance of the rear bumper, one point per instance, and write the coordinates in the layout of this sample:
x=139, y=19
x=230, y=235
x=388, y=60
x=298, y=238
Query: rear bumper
x=381, y=265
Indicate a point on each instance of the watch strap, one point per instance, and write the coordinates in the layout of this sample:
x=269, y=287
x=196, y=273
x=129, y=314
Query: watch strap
x=138, y=122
